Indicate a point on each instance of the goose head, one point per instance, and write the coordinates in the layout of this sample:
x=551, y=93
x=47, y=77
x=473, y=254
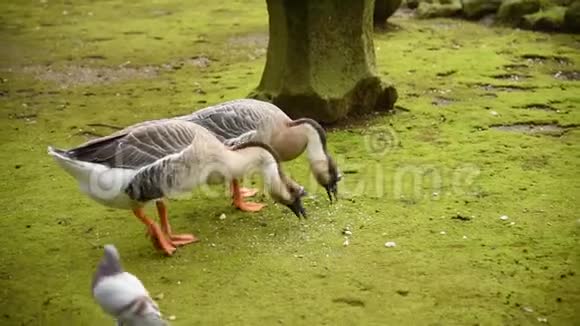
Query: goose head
x=327, y=175
x=322, y=165
x=289, y=193
x=282, y=189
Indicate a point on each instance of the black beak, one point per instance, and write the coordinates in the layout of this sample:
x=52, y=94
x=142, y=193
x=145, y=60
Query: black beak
x=332, y=189
x=297, y=208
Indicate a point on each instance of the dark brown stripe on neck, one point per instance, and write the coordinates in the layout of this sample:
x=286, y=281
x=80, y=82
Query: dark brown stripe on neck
x=315, y=125
x=257, y=144
x=264, y=146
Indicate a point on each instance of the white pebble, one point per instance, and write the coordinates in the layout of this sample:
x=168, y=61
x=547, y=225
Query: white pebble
x=390, y=244
x=347, y=232
x=443, y=232
x=172, y=317
x=495, y=114
x=223, y=216
x=512, y=223
x=346, y=242
x=504, y=218
x=542, y=319
x=528, y=309
x=464, y=237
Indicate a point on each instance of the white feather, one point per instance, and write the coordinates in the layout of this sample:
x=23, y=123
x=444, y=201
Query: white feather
x=103, y=184
x=115, y=292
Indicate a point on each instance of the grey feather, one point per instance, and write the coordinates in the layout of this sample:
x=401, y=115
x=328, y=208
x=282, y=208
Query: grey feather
x=236, y=121
x=109, y=265
x=137, y=146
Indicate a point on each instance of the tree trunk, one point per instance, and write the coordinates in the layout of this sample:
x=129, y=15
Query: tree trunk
x=321, y=60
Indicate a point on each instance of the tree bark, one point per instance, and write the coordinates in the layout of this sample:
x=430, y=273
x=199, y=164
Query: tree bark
x=321, y=60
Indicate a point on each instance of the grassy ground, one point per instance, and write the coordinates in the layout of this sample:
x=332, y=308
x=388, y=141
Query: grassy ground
x=434, y=177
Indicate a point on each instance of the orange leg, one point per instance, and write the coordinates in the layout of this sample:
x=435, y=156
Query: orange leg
x=175, y=239
x=248, y=192
x=239, y=199
x=157, y=236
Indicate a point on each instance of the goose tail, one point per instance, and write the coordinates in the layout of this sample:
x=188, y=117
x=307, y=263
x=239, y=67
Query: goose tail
x=78, y=169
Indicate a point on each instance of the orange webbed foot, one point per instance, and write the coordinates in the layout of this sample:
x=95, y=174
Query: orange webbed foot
x=159, y=240
x=249, y=206
x=248, y=192
x=175, y=239
x=239, y=193
x=182, y=239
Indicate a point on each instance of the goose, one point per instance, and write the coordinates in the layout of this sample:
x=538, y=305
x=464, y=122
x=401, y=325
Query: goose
x=122, y=295
x=155, y=161
x=243, y=120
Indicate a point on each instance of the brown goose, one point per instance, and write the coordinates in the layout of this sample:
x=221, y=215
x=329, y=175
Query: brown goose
x=155, y=160
x=242, y=120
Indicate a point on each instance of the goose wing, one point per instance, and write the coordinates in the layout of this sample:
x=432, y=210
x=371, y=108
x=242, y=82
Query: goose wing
x=236, y=121
x=138, y=145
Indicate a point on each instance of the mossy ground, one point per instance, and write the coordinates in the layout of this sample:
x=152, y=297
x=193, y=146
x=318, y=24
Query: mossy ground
x=65, y=66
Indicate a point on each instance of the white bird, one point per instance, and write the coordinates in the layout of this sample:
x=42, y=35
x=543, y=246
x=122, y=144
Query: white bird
x=122, y=295
x=130, y=168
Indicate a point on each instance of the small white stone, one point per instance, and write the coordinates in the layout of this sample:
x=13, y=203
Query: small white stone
x=346, y=242
x=443, y=233
x=528, y=309
x=390, y=244
x=512, y=223
x=542, y=319
x=504, y=218
x=495, y=114
x=464, y=237
x=223, y=216
x=178, y=282
x=64, y=12
x=172, y=317
x=347, y=232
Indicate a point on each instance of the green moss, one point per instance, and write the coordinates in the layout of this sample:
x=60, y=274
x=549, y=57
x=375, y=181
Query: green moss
x=439, y=9
x=512, y=11
x=551, y=19
x=270, y=268
x=475, y=9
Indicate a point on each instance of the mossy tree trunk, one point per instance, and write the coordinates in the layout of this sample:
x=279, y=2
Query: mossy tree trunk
x=321, y=60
